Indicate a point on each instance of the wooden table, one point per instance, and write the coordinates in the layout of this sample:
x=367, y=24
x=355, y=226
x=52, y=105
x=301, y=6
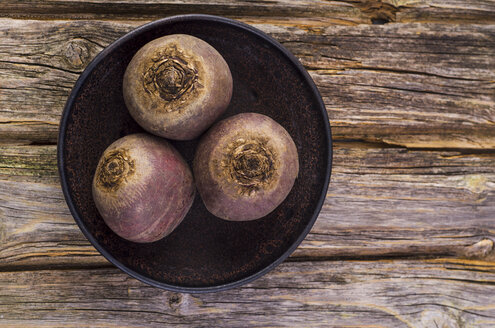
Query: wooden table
x=405, y=237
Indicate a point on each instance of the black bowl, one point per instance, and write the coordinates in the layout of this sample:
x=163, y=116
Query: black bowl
x=204, y=253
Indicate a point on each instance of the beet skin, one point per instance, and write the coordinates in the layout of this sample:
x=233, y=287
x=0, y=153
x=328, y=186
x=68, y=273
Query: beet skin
x=142, y=188
x=176, y=86
x=245, y=166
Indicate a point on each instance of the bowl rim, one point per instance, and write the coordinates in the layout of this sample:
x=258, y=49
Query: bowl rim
x=63, y=128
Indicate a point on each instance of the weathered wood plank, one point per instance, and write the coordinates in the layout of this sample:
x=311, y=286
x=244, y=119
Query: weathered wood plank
x=337, y=12
x=411, y=85
x=433, y=293
x=35, y=223
x=32, y=161
x=343, y=11
x=446, y=11
x=382, y=202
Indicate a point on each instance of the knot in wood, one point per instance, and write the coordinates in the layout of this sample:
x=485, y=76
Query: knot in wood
x=76, y=53
x=480, y=250
x=175, y=300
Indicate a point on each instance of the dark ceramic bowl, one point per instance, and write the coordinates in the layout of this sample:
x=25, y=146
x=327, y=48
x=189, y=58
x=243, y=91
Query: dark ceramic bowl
x=204, y=253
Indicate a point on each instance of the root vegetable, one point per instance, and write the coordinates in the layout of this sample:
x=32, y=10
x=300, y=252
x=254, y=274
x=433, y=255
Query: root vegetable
x=245, y=166
x=142, y=188
x=176, y=86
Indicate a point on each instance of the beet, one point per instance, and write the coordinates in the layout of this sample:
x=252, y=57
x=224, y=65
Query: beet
x=142, y=188
x=176, y=86
x=245, y=166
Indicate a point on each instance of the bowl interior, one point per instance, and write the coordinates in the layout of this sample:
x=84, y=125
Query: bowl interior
x=204, y=251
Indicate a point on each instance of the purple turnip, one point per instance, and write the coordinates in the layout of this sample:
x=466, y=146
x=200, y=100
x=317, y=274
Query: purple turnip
x=142, y=187
x=176, y=86
x=245, y=166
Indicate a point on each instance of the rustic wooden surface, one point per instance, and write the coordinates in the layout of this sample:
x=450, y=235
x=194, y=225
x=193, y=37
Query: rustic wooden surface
x=405, y=237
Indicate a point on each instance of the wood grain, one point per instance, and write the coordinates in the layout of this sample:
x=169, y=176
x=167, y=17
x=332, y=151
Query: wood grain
x=395, y=294
x=382, y=203
x=338, y=12
x=406, y=235
x=426, y=86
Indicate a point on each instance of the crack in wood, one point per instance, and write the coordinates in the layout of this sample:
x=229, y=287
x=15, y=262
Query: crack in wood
x=40, y=65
